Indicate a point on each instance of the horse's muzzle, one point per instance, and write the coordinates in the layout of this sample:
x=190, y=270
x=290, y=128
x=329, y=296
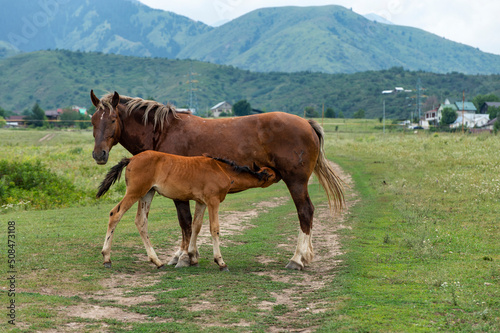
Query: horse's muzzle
x=101, y=157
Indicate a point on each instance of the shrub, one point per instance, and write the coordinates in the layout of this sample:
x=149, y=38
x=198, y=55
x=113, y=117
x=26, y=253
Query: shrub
x=34, y=183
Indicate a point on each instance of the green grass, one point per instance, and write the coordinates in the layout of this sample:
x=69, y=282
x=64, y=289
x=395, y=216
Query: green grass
x=420, y=246
x=423, y=251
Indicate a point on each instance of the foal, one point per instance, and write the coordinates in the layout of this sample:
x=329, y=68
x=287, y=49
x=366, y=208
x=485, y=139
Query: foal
x=203, y=179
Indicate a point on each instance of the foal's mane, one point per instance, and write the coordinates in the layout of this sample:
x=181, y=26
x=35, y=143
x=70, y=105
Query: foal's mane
x=133, y=104
x=239, y=169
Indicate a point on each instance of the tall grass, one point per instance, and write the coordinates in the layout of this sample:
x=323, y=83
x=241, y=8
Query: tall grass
x=421, y=245
x=67, y=156
x=425, y=236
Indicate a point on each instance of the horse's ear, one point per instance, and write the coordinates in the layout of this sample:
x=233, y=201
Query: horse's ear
x=116, y=100
x=94, y=99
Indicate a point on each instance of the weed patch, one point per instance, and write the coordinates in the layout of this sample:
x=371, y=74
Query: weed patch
x=33, y=185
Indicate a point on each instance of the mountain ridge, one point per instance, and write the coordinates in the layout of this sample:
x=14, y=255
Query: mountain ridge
x=329, y=39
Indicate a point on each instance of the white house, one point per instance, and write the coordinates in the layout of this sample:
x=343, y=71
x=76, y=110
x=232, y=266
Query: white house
x=433, y=117
x=221, y=108
x=470, y=120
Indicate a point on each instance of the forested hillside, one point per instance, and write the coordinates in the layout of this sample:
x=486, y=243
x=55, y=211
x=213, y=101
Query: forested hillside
x=58, y=79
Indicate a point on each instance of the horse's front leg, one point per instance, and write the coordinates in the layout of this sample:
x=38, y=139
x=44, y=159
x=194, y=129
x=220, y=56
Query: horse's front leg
x=213, y=214
x=185, y=221
x=141, y=222
x=115, y=216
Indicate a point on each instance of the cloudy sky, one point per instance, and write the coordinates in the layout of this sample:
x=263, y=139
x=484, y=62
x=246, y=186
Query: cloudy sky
x=475, y=23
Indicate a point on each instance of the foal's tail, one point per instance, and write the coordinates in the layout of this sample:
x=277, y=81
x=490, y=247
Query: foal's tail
x=332, y=184
x=113, y=175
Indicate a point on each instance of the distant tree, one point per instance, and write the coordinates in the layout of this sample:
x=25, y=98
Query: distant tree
x=479, y=100
x=3, y=113
x=91, y=110
x=36, y=117
x=496, y=127
x=341, y=114
x=431, y=102
x=330, y=113
x=74, y=118
x=242, y=108
x=448, y=117
x=69, y=116
x=311, y=112
x=493, y=111
x=360, y=114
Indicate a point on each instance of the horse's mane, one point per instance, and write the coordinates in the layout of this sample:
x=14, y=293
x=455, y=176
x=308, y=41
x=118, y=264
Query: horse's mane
x=161, y=111
x=239, y=169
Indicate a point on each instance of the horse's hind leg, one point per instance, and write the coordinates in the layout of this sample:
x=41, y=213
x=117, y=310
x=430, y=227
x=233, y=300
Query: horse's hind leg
x=115, y=216
x=185, y=220
x=141, y=222
x=193, y=254
x=304, y=253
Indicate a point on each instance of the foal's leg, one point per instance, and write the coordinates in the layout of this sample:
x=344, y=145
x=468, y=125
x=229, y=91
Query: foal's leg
x=141, y=222
x=213, y=214
x=191, y=257
x=199, y=211
x=304, y=253
x=185, y=219
x=114, y=217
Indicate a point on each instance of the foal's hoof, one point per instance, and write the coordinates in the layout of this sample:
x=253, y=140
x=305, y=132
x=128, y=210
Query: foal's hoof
x=161, y=268
x=294, y=265
x=107, y=264
x=224, y=269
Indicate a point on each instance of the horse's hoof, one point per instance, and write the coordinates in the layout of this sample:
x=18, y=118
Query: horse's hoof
x=294, y=265
x=183, y=262
x=224, y=269
x=162, y=267
x=107, y=264
x=174, y=261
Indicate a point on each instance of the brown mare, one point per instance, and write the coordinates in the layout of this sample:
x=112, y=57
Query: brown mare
x=291, y=146
x=202, y=179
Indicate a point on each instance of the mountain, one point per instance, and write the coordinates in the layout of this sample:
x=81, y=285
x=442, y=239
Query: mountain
x=329, y=39
x=112, y=26
x=60, y=78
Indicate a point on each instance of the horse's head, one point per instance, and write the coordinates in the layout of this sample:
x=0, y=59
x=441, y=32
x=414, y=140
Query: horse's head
x=106, y=126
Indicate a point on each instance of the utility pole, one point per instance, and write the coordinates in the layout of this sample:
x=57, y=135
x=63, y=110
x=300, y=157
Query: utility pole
x=419, y=99
x=192, y=98
x=384, y=117
x=463, y=110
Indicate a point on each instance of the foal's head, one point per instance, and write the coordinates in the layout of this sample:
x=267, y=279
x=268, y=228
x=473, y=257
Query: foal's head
x=268, y=176
x=106, y=126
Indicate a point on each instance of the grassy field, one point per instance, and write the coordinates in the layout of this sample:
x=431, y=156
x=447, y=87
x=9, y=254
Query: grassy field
x=417, y=250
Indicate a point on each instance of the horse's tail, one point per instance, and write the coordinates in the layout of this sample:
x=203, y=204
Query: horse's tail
x=332, y=184
x=113, y=175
